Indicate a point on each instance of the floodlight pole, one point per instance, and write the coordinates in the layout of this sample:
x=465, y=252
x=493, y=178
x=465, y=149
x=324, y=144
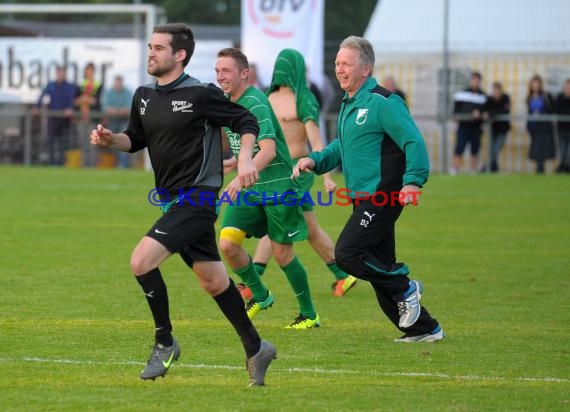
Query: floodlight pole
x=445, y=114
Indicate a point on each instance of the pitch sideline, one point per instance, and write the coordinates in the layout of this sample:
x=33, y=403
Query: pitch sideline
x=323, y=371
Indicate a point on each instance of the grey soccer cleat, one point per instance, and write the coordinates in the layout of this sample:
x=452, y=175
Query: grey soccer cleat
x=160, y=360
x=409, y=309
x=257, y=365
x=434, y=336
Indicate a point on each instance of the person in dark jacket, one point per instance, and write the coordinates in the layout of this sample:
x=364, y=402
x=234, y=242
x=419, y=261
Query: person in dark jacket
x=390, y=83
x=469, y=106
x=498, y=103
x=61, y=97
x=563, y=108
x=541, y=132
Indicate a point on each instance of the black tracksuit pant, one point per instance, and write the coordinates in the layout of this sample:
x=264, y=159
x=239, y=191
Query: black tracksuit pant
x=366, y=249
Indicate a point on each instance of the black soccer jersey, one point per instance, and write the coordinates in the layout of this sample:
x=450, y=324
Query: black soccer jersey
x=180, y=125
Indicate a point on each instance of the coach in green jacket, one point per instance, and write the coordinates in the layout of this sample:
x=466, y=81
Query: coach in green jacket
x=385, y=162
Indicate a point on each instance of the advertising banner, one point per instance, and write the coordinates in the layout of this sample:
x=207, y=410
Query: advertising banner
x=268, y=26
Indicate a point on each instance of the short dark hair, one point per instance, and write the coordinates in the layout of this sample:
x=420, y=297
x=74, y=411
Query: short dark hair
x=237, y=55
x=477, y=75
x=182, y=38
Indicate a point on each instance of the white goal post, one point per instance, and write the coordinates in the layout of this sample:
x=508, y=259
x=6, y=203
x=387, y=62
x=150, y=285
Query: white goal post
x=153, y=16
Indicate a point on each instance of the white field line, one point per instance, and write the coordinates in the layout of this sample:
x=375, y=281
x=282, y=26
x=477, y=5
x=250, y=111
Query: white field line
x=322, y=371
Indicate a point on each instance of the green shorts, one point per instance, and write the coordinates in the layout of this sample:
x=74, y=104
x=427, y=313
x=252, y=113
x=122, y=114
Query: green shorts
x=305, y=182
x=282, y=223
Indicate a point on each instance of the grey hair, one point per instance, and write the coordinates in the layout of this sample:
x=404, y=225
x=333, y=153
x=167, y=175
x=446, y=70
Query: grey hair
x=364, y=49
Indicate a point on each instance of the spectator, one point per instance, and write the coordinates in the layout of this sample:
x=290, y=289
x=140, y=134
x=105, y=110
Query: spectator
x=325, y=96
x=498, y=103
x=469, y=106
x=88, y=100
x=315, y=89
x=61, y=98
x=390, y=84
x=563, y=108
x=541, y=132
x=253, y=78
x=116, y=108
x=89, y=93
x=316, y=92
x=328, y=92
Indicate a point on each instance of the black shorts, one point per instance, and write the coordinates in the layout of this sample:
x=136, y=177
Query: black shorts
x=188, y=230
x=468, y=135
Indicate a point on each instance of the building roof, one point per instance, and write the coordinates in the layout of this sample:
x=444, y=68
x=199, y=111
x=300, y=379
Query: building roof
x=106, y=30
x=490, y=26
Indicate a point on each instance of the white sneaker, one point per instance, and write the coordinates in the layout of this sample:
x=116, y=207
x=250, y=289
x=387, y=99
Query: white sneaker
x=409, y=309
x=433, y=336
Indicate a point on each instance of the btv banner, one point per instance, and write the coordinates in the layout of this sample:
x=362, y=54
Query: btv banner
x=269, y=26
x=27, y=64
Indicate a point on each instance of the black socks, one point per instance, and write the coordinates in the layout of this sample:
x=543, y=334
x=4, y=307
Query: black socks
x=231, y=305
x=157, y=297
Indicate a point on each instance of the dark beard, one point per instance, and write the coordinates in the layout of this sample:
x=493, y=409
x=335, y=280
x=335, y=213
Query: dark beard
x=159, y=71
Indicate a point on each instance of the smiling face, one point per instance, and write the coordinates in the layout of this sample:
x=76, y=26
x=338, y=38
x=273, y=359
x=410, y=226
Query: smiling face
x=350, y=72
x=230, y=77
x=163, y=62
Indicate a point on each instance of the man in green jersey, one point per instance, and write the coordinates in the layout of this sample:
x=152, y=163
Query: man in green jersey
x=262, y=209
x=385, y=162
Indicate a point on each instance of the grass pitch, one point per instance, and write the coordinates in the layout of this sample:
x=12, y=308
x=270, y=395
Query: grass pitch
x=75, y=329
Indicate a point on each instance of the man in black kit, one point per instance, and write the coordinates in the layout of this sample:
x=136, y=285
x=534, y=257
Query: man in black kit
x=178, y=119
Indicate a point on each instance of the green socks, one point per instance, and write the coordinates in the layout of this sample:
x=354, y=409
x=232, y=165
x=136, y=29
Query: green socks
x=338, y=274
x=260, y=267
x=250, y=277
x=297, y=276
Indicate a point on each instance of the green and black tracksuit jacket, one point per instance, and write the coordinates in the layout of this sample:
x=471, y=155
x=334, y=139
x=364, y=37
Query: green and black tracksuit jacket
x=379, y=146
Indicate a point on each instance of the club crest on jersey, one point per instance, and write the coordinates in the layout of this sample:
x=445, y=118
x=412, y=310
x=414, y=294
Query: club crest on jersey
x=143, y=109
x=182, y=106
x=361, y=116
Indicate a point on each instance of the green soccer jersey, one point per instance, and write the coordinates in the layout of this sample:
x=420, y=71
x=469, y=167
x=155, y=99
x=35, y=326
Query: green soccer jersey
x=276, y=176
